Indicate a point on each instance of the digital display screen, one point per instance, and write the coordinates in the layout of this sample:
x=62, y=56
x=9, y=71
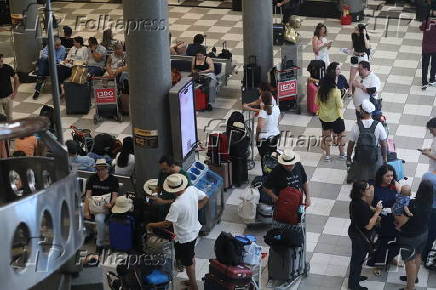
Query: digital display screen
x=188, y=124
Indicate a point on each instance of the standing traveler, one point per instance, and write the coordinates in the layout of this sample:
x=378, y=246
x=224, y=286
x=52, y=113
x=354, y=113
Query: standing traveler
x=367, y=88
x=183, y=216
x=363, y=220
x=320, y=44
x=361, y=48
x=7, y=89
x=431, y=152
x=267, y=131
x=413, y=232
x=368, y=138
x=255, y=105
x=330, y=113
x=290, y=7
x=428, y=29
x=431, y=176
x=288, y=173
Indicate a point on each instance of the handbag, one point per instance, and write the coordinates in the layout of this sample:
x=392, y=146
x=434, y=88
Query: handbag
x=291, y=35
x=97, y=203
x=79, y=74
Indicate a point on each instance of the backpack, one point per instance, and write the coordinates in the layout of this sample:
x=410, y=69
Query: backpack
x=285, y=237
x=236, y=116
x=286, y=210
x=366, y=147
x=228, y=250
x=316, y=69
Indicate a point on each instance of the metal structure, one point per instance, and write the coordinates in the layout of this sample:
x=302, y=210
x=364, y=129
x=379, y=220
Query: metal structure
x=41, y=209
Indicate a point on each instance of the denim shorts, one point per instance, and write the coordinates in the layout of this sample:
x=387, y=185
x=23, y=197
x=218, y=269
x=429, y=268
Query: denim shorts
x=410, y=246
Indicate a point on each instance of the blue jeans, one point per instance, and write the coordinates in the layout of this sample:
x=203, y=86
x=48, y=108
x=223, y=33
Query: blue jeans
x=101, y=229
x=95, y=71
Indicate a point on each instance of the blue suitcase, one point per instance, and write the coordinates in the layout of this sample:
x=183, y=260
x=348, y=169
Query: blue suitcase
x=121, y=232
x=398, y=165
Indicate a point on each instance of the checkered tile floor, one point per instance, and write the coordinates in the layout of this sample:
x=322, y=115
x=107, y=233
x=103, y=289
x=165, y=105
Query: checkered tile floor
x=396, y=62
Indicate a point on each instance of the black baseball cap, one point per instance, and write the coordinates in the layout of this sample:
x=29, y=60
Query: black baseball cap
x=432, y=123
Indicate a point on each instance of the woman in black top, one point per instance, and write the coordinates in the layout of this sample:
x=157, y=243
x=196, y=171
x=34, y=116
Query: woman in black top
x=363, y=219
x=361, y=47
x=201, y=63
x=413, y=232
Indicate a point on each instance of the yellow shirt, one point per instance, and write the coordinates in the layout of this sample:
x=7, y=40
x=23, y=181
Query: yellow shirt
x=330, y=110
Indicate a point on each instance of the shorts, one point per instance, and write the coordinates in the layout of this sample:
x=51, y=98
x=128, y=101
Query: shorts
x=410, y=246
x=359, y=59
x=337, y=126
x=185, y=252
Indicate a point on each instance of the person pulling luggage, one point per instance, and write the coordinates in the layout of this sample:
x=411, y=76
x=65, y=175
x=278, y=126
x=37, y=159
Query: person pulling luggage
x=288, y=173
x=183, y=216
x=368, y=138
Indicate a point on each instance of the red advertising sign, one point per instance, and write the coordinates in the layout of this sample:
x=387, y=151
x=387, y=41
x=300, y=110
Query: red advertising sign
x=105, y=96
x=287, y=88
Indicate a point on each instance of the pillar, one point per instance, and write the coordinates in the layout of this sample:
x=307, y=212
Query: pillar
x=147, y=44
x=26, y=44
x=257, y=27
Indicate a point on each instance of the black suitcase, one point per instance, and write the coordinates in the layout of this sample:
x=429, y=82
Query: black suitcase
x=237, y=5
x=278, y=33
x=252, y=73
x=214, y=283
x=77, y=98
x=316, y=69
x=5, y=13
x=239, y=145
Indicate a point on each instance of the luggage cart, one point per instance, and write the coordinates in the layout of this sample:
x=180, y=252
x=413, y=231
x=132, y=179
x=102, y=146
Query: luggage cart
x=305, y=265
x=287, y=89
x=106, y=99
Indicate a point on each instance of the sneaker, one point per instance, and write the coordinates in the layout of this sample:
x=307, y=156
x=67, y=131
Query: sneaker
x=327, y=158
x=35, y=95
x=404, y=278
x=424, y=87
x=432, y=83
x=343, y=156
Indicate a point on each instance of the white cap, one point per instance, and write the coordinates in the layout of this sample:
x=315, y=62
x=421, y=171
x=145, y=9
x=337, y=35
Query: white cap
x=367, y=106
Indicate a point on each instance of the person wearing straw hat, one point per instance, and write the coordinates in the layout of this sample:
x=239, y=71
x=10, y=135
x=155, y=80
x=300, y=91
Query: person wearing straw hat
x=101, y=192
x=361, y=168
x=183, y=216
x=289, y=172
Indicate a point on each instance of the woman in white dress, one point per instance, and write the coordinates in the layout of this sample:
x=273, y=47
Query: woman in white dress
x=320, y=44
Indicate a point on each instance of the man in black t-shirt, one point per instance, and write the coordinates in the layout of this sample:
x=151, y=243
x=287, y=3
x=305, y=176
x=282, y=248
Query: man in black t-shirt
x=7, y=90
x=290, y=172
x=103, y=185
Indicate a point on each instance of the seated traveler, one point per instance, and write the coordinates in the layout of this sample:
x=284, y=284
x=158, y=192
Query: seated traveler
x=192, y=48
x=42, y=70
x=203, y=68
x=96, y=58
x=78, y=162
x=101, y=192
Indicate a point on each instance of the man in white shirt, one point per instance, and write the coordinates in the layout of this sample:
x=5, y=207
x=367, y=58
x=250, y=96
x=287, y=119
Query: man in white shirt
x=183, y=215
x=367, y=88
x=367, y=159
x=431, y=152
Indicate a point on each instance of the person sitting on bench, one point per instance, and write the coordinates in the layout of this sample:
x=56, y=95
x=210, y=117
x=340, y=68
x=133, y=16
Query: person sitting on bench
x=43, y=65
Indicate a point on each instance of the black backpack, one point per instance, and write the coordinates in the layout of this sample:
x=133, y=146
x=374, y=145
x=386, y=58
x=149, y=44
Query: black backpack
x=228, y=250
x=316, y=69
x=366, y=147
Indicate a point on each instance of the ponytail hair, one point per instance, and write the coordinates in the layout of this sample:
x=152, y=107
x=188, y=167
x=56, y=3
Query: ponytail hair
x=267, y=101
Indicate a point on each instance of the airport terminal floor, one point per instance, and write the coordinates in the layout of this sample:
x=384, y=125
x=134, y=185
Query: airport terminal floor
x=396, y=62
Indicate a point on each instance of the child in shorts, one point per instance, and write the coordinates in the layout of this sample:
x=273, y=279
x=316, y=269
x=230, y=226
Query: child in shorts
x=402, y=201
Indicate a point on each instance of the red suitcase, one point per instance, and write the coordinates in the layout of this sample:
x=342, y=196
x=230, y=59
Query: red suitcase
x=312, y=92
x=211, y=282
x=234, y=274
x=201, y=100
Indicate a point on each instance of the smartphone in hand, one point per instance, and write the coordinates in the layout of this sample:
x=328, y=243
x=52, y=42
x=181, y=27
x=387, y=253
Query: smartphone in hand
x=420, y=150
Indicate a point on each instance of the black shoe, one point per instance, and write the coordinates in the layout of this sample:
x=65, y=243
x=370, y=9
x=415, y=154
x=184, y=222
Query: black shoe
x=363, y=278
x=35, y=95
x=404, y=278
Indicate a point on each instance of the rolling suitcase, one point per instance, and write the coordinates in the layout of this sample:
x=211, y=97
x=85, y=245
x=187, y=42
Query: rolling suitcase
x=285, y=264
x=312, y=92
x=237, y=5
x=218, y=148
x=252, y=73
x=398, y=165
x=77, y=98
x=235, y=274
x=213, y=283
x=121, y=232
x=124, y=104
x=201, y=99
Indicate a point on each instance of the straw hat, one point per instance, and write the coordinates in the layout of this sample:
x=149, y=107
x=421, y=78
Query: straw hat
x=101, y=163
x=288, y=157
x=150, y=186
x=175, y=183
x=122, y=205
